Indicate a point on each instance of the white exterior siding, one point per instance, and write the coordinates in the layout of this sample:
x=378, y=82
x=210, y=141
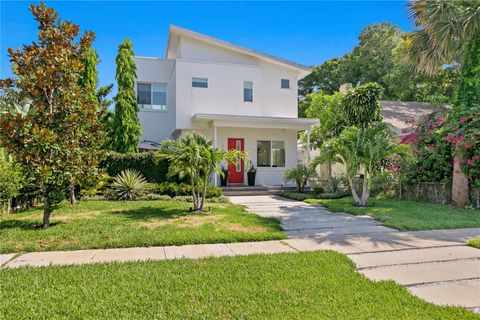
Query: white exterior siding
x=158, y=125
x=227, y=68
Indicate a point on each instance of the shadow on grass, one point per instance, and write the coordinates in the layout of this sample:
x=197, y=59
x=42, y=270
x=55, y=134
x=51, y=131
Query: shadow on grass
x=146, y=213
x=24, y=225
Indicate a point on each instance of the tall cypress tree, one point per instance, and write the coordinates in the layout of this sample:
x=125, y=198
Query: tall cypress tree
x=126, y=125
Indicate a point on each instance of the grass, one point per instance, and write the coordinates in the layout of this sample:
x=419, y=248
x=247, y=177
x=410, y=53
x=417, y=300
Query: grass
x=114, y=224
x=407, y=215
x=474, y=243
x=313, y=285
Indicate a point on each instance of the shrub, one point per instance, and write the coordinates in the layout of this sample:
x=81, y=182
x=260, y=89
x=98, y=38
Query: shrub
x=300, y=174
x=174, y=189
x=183, y=199
x=318, y=189
x=304, y=196
x=129, y=185
x=10, y=183
x=147, y=163
x=153, y=196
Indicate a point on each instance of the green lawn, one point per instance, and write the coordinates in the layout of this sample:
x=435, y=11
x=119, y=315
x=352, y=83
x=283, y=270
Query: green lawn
x=313, y=285
x=113, y=224
x=407, y=215
x=474, y=243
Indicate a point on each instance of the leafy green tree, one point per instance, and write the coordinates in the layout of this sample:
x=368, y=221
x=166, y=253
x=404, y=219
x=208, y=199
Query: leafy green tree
x=106, y=116
x=11, y=181
x=361, y=149
x=360, y=106
x=194, y=157
x=126, y=125
x=325, y=78
x=61, y=127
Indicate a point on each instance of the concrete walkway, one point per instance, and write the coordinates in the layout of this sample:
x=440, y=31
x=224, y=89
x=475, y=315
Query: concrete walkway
x=435, y=265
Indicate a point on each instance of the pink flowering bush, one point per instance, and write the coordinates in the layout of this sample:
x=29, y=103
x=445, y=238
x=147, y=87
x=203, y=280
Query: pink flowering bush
x=433, y=152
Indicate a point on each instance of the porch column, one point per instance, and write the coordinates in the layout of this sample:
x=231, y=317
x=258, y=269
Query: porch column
x=308, y=147
x=215, y=182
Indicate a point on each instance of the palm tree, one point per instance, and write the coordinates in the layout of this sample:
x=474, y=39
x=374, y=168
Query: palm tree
x=194, y=157
x=361, y=150
x=446, y=30
x=300, y=174
x=445, y=27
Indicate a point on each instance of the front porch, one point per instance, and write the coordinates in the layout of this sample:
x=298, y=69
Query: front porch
x=270, y=142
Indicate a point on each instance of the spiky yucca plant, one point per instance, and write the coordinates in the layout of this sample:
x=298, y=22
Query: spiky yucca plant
x=129, y=185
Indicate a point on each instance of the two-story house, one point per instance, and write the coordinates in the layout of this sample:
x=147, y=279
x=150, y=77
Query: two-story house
x=238, y=97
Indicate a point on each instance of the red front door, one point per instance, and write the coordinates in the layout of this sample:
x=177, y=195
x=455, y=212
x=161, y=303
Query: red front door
x=235, y=171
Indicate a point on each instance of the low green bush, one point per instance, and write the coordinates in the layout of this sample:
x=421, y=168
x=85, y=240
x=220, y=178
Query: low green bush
x=174, y=189
x=154, y=196
x=129, y=185
x=147, y=163
x=312, y=195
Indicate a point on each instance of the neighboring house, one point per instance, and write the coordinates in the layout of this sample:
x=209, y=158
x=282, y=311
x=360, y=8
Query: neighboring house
x=238, y=97
x=399, y=114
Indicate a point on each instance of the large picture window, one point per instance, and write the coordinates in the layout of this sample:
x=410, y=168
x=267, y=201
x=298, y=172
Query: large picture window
x=270, y=153
x=152, y=96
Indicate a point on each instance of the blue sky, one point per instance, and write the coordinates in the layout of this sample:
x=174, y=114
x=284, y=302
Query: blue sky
x=305, y=32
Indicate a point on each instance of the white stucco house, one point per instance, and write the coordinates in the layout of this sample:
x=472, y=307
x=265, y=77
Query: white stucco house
x=238, y=97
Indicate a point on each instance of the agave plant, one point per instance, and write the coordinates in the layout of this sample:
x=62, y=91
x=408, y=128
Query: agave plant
x=129, y=185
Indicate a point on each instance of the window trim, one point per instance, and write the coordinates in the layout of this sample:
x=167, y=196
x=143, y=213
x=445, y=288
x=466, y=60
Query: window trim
x=271, y=154
x=281, y=84
x=151, y=97
x=200, y=78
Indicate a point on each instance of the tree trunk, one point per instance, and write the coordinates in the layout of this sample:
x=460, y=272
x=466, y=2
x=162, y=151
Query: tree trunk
x=365, y=191
x=354, y=192
x=204, y=193
x=46, y=211
x=73, y=200
x=459, y=185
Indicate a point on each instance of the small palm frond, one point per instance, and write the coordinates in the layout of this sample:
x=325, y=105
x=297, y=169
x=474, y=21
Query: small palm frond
x=129, y=185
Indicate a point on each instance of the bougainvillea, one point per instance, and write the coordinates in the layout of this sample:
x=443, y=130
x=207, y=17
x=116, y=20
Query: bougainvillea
x=433, y=154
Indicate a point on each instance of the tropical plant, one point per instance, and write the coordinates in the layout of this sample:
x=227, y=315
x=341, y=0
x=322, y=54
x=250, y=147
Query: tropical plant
x=129, y=185
x=61, y=132
x=195, y=158
x=300, y=175
x=126, y=125
x=360, y=105
x=361, y=150
x=448, y=32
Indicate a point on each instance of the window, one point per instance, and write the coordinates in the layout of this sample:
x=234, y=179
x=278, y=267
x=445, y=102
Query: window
x=199, y=82
x=152, y=96
x=270, y=153
x=248, y=91
x=285, y=84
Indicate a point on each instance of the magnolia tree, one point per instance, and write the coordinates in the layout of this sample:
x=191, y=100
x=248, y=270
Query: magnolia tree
x=361, y=150
x=60, y=134
x=195, y=158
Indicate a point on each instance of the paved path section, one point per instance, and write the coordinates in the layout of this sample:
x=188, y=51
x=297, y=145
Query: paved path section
x=435, y=265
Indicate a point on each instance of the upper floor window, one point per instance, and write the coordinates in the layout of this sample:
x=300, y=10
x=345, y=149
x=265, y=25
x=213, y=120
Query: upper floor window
x=248, y=91
x=199, y=82
x=285, y=84
x=152, y=96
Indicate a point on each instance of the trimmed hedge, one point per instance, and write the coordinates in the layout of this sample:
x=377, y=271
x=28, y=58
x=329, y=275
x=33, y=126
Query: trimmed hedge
x=311, y=195
x=174, y=189
x=147, y=163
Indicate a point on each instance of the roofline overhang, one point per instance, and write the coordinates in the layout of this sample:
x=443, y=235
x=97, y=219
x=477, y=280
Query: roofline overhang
x=220, y=120
x=176, y=30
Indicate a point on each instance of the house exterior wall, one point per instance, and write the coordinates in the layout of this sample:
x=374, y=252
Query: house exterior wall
x=264, y=176
x=157, y=125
